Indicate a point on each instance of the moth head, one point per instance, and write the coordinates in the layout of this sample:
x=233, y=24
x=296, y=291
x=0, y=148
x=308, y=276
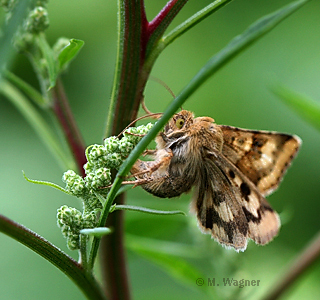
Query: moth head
x=179, y=121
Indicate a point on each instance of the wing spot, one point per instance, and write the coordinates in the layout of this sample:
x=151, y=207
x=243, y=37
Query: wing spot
x=245, y=190
x=231, y=174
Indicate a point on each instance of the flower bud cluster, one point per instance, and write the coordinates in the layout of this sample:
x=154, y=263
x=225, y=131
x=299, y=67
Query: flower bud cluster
x=101, y=159
x=71, y=221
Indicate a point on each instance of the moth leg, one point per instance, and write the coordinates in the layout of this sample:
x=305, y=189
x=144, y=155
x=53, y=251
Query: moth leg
x=138, y=182
x=149, y=152
x=139, y=167
x=134, y=182
x=135, y=134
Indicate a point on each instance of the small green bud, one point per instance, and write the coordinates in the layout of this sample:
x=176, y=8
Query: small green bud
x=144, y=129
x=70, y=221
x=99, y=178
x=8, y=4
x=42, y=3
x=125, y=146
x=114, y=160
x=111, y=144
x=37, y=20
x=91, y=204
x=132, y=138
x=74, y=183
x=97, y=155
x=24, y=41
x=88, y=167
x=89, y=220
x=73, y=242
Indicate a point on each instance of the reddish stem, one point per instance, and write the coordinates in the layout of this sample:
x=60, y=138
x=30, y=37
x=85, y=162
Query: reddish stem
x=154, y=24
x=63, y=113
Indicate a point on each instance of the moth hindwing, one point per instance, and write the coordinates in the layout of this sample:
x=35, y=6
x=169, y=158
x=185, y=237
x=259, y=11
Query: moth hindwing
x=231, y=171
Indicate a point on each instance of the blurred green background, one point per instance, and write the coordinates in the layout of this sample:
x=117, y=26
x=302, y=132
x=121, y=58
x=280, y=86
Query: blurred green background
x=239, y=95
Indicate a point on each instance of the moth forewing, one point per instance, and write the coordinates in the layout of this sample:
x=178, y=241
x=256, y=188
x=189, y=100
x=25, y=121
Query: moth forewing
x=262, y=156
x=231, y=169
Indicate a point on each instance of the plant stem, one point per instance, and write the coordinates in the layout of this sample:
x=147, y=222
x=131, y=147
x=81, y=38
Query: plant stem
x=193, y=20
x=63, y=113
x=112, y=248
x=83, y=279
x=308, y=256
x=83, y=251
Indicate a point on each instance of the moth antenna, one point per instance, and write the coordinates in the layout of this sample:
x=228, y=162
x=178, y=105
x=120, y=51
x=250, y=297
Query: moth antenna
x=140, y=118
x=163, y=84
x=145, y=107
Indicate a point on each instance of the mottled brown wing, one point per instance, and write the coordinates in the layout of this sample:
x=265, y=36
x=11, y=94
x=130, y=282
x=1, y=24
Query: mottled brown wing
x=230, y=207
x=262, y=156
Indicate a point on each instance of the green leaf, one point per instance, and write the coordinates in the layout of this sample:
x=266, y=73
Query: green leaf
x=170, y=261
x=18, y=15
x=47, y=183
x=69, y=52
x=304, y=106
x=146, y=210
x=98, y=232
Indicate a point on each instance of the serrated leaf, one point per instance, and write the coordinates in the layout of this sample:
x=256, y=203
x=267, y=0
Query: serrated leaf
x=69, y=52
x=306, y=107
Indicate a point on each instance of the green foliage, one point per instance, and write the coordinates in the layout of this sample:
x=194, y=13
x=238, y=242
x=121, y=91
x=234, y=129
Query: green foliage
x=304, y=106
x=93, y=187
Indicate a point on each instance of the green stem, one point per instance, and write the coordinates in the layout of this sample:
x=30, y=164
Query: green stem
x=102, y=221
x=83, y=251
x=192, y=21
x=83, y=279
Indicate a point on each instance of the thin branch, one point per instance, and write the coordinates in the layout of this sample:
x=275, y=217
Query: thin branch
x=193, y=20
x=300, y=265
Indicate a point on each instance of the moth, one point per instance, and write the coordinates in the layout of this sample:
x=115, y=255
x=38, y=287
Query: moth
x=230, y=169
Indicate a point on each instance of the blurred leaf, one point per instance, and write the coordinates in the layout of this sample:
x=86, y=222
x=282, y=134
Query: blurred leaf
x=168, y=258
x=29, y=90
x=306, y=107
x=69, y=52
x=38, y=123
x=18, y=15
